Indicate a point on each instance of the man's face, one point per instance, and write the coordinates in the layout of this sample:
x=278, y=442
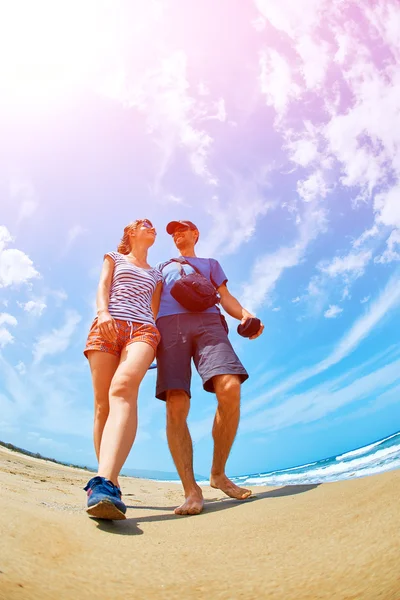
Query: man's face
x=183, y=236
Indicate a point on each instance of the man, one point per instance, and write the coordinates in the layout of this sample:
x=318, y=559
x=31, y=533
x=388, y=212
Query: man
x=201, y=336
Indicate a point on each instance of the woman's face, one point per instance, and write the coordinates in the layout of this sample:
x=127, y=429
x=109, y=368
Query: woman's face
x=144, y=233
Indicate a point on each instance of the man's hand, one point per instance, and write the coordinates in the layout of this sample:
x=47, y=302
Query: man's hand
x=235, y=309
x=246, y=316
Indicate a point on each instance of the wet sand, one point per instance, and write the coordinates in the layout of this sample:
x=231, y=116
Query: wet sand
x=332, y=541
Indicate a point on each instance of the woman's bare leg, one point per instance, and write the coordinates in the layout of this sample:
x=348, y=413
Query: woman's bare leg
x=103, y=366
x=120, y=429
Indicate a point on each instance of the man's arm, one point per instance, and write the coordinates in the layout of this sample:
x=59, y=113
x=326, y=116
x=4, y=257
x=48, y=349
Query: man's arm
x=155, y=300
x=235, y=309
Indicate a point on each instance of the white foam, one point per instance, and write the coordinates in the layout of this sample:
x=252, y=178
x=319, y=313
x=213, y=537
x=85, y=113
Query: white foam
x=311, y=479
x=379, y=461
x=365, y=449
x=297, y=468
x=357, y=452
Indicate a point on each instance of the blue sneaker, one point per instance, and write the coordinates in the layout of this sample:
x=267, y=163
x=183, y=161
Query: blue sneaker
x=104, y=499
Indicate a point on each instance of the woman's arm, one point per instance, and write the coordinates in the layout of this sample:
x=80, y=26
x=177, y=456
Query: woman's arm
x=235, y=309
x=105, y=321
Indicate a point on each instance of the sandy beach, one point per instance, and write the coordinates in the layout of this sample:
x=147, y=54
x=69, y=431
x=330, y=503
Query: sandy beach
x=333, y=541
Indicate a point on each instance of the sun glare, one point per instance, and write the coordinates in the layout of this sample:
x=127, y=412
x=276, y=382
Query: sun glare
x=49, y=46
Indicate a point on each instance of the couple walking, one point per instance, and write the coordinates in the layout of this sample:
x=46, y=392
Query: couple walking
x=124, y=340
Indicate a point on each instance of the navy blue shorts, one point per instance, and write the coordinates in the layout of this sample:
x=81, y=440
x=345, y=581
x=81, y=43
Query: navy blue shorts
x=200, y=336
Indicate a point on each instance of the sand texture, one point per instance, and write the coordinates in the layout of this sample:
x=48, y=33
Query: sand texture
x=333, y=541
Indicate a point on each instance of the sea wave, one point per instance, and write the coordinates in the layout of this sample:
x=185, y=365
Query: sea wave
x=378, y=457
x=296, y=468
x=311, y=478
x=365, y=449
x=357, y=452
x=376, y=462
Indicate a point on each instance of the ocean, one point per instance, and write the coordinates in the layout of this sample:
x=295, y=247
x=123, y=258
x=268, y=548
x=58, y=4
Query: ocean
x=377, y=457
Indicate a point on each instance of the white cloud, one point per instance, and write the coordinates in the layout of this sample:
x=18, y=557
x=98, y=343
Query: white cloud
x=6, y=319
x=325, y=399
x=387, y=301
x=293, y=18
x=162, y=94
x=361, y=166
x=58, y=340
x=258, y=23
x=365, y=299
x=352, y=264
x=34, y=307
x=203, y=89
x=21, y=368
x=5, y=237
x=24, y=192
x=392, y=252
x=276, y=81
x=346, y=269
x=333, y=311
x=220, y=112
x=372, y=232
x=358, y=126
x=296, y=300
x=387, y=204
x=198, y=143
x=315, y=56
x=355, y=134
x=60, y=295
x=346, y=294
x=268, y=269
x=313, y=188
x=343, y=47
x=15, y=266
x=47, y=398
x=385, y=16
x=303, y=151
x=364, y=139
x=5, y=336
x=234, y=221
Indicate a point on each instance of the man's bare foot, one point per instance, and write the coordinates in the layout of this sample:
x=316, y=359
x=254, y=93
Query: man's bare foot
x=221, y=482
x=193, y=504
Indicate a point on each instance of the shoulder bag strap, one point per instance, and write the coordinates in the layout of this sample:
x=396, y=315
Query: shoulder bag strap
x=182, y=261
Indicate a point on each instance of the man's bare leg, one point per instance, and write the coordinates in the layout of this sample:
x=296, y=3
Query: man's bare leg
x=226, y=422
x=181, y=448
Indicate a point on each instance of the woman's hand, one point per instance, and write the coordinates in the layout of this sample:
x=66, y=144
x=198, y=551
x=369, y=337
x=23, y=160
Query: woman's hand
x=107, y=326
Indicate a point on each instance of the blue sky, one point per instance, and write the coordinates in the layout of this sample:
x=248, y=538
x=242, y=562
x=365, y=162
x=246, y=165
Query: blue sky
x=276, y=129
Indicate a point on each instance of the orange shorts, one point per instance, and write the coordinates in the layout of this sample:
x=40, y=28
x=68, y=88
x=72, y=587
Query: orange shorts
x=128, y=332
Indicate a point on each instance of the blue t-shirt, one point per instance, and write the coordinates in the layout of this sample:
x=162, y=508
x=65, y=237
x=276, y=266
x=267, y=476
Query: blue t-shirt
x=209, y=267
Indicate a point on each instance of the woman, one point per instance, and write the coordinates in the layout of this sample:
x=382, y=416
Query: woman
x=120, y=348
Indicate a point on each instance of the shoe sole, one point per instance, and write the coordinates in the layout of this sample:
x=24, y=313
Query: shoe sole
x=105, y=510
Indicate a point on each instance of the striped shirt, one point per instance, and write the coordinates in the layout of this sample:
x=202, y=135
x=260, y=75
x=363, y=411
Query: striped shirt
x=131, y=290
